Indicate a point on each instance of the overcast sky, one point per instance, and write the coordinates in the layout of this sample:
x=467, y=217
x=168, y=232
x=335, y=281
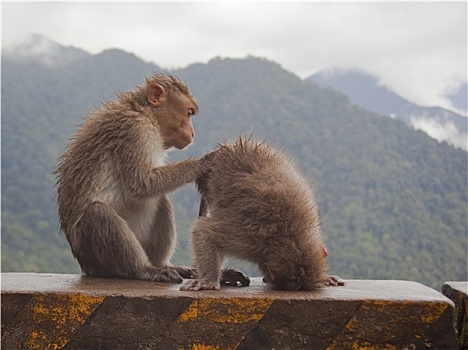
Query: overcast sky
x=418, y=49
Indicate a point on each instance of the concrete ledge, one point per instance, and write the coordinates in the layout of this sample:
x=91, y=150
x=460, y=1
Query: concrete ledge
x=458, y=293
x=44, y=311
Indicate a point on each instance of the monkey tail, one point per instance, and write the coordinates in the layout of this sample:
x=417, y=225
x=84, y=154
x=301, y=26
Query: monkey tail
x=202, y=188
x=203, y=210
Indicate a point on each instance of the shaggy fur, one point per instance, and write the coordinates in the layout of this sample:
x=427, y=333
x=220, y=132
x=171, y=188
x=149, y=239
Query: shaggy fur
x=258, y=208
x=112, y=185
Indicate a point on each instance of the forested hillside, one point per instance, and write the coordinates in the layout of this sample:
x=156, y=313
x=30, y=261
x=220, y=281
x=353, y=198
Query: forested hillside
x=365, y=91
x=393, y=200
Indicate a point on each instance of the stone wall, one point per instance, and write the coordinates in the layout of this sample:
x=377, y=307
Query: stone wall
x=45, y=311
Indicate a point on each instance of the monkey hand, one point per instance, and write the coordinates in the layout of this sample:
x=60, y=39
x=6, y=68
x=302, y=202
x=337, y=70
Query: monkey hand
x=186, y=272
x=207, y=158
x=156, y=274
x=335, y=281
x=200, y=285
x=232, y=276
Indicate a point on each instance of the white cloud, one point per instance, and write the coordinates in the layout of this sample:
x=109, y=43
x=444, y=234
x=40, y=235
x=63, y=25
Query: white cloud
x=417, y=49
x=441, y=132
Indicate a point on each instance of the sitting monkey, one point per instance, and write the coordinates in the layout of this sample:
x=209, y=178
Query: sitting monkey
x=113, y=183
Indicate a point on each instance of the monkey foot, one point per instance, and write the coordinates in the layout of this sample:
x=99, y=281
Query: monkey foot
x=200, y=285
x=155, y=274
x=232, y=276
x=335, y=281
x=186, y=272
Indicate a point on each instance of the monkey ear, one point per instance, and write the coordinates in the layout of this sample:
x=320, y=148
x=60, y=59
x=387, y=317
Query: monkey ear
x=324, y=252
x=156, y=94
x=272, y=275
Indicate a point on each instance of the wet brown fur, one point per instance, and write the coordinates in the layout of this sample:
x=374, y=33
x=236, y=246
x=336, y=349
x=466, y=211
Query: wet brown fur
x=256, y=206
x=112, y=184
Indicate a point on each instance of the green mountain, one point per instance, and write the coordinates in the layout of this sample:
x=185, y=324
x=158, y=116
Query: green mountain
x=393, y=200
x=364, y=90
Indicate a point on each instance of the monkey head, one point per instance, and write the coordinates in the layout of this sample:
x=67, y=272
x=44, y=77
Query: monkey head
x=174, y=109
x=297, y=271
x=285, y=280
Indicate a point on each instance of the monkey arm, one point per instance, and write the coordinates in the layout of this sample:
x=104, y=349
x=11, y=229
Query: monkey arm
x=147, y=181
x=138, y=155
x=169, y=177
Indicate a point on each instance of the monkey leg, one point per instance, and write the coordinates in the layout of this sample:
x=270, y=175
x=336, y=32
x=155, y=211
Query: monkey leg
x=108, y=248
x=161, y=246
x=208, y=259
x=195, y=284
x=229, y=277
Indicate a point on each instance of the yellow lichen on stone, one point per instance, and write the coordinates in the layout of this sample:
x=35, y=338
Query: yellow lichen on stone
x=56, y=317
x=230, y=310
x=233, y=315
x=391, y=316
x=369, y=346
x=360, y=345
x=204, y=347
x=433, y=312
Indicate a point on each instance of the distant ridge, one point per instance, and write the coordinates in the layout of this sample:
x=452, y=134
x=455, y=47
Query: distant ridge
x=363, y=90
x=44, y=50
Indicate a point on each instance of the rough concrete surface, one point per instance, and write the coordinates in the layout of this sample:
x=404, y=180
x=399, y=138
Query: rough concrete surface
x=46, y=311
x=458, y=293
